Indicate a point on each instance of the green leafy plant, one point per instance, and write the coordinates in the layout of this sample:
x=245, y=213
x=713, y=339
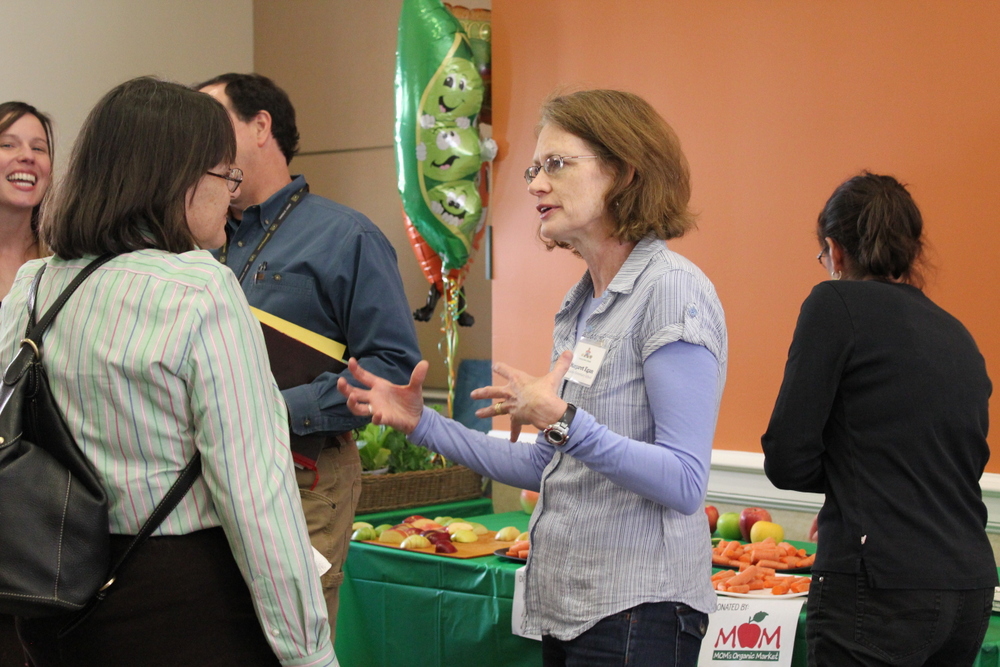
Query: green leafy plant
x=383, y=445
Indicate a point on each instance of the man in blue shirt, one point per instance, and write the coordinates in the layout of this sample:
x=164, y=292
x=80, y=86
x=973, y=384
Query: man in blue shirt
x=324, y=267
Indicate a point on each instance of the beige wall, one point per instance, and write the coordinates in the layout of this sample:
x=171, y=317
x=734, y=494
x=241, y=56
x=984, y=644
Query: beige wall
x=336, y=60
x=63, y=56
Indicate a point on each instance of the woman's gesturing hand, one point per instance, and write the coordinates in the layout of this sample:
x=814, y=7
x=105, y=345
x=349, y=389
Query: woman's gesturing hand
x=527, y=399
x=398, y=406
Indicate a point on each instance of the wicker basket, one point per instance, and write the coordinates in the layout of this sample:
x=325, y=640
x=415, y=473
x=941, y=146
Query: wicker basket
x=381, y=493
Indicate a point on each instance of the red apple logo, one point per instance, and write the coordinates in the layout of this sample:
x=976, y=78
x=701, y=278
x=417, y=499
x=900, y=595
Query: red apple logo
x=748, y=634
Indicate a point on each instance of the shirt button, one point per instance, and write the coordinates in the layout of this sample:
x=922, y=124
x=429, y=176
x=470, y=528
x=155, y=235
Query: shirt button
x=692, y=311
x=239, y=243
x=277, y=276
x=863, y=538
x=275, y=633
x=306, y=422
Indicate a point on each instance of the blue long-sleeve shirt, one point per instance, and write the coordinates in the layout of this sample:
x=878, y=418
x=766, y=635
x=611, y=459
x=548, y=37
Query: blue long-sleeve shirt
x=681, y=383
x=329, y=269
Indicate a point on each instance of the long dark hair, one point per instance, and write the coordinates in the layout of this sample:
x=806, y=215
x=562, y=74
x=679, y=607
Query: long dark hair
x=10, y=113
x=879, y=226
x=144, y=145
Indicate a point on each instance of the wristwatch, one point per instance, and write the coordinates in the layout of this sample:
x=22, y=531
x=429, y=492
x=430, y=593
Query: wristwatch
x=557, y=434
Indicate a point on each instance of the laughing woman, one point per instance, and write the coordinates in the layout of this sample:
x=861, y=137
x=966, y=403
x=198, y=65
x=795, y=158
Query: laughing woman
x=25, y=176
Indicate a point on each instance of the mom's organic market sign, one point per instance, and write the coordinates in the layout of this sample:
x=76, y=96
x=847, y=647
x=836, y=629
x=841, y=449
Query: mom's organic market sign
x=751, y=631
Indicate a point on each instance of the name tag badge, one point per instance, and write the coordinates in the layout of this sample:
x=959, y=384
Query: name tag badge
x=587, y=359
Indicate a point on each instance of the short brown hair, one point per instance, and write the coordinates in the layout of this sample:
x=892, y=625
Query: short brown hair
x=10, y=113
x=651, y=184
x=144, y=145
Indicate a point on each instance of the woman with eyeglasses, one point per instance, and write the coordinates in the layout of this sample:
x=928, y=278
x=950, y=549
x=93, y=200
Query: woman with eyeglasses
x=884, y=408
x=621, y=557
x=155, y=357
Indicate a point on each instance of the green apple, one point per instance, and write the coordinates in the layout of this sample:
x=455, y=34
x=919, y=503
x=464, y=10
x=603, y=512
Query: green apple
x=381, y=528
x=761, y=530
x=361, y=524
x=464, y=536
x=728, y=526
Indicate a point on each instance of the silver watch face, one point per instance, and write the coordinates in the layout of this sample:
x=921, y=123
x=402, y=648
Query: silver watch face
x=556, y=434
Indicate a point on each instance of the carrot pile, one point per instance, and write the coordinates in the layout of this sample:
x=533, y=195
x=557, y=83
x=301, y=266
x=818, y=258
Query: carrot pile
x=519, y=549
x=765, y=554
x=755, y=578
x=759, y=564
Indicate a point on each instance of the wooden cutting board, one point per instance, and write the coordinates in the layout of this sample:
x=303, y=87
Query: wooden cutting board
x=484, y=546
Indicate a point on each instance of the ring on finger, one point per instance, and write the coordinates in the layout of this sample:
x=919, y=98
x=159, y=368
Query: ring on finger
x=498, y=408
x=370, y=411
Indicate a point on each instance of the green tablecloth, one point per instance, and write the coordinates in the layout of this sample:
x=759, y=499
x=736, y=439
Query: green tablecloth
x=405, y=607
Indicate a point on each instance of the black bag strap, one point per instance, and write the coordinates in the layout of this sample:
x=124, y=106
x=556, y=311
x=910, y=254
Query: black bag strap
x=177, y=491
x=34, y=331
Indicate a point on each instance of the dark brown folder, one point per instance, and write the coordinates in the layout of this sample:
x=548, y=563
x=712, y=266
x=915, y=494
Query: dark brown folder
x=296, y=359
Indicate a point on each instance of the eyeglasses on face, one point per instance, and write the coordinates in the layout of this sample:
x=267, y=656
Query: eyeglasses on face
x=819, y=257
x=234, y=177
x=552, y=165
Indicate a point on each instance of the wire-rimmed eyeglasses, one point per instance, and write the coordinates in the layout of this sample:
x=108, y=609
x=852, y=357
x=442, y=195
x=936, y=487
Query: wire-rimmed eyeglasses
x=819, y=257
x=552, y=165
x=234, y=177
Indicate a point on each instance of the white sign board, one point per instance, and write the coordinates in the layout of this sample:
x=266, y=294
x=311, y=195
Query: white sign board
x=751, y=631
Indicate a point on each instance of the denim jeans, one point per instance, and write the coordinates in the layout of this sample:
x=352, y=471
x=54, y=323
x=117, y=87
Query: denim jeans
x=655, y=634
x=850, y=623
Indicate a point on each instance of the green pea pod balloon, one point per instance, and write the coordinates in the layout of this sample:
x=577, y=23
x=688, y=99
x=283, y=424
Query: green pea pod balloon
x=439, y=95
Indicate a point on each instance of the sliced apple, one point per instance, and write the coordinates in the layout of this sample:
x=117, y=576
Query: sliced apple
x=445, y=548
x=426, y=524
x=412, y=518
x=381, y=528
x=458, y=525
x=507, y=534
x=524, y=537
x=361, y=524
x=392, y=536
x=415, y=542
x=364, y=533
x=478, y=528
x=464, y=536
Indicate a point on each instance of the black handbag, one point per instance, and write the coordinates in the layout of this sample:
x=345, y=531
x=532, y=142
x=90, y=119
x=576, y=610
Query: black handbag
x=54, y=530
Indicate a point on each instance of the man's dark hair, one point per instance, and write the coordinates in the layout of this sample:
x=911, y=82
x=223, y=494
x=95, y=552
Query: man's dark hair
x=251, y=93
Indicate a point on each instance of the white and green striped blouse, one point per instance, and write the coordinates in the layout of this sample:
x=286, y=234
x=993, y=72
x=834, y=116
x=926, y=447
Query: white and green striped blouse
x=156, y=356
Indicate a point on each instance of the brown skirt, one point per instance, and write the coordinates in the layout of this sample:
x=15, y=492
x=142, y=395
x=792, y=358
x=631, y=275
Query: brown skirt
x=180, y=601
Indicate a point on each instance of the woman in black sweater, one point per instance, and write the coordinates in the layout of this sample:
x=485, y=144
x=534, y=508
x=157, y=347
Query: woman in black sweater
x=884, y=408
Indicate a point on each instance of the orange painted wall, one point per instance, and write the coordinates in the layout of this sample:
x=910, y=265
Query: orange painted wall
x=775, y=103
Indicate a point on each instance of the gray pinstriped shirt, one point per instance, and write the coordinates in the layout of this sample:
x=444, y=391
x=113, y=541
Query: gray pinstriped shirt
x=598, y=548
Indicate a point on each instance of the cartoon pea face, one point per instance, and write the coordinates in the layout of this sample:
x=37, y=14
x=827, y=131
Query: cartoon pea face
x=457, y=205
x=449, y=153
x=456, y=91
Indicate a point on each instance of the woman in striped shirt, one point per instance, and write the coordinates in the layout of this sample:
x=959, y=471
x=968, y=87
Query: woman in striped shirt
x=157, y=356
x=620, y=558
